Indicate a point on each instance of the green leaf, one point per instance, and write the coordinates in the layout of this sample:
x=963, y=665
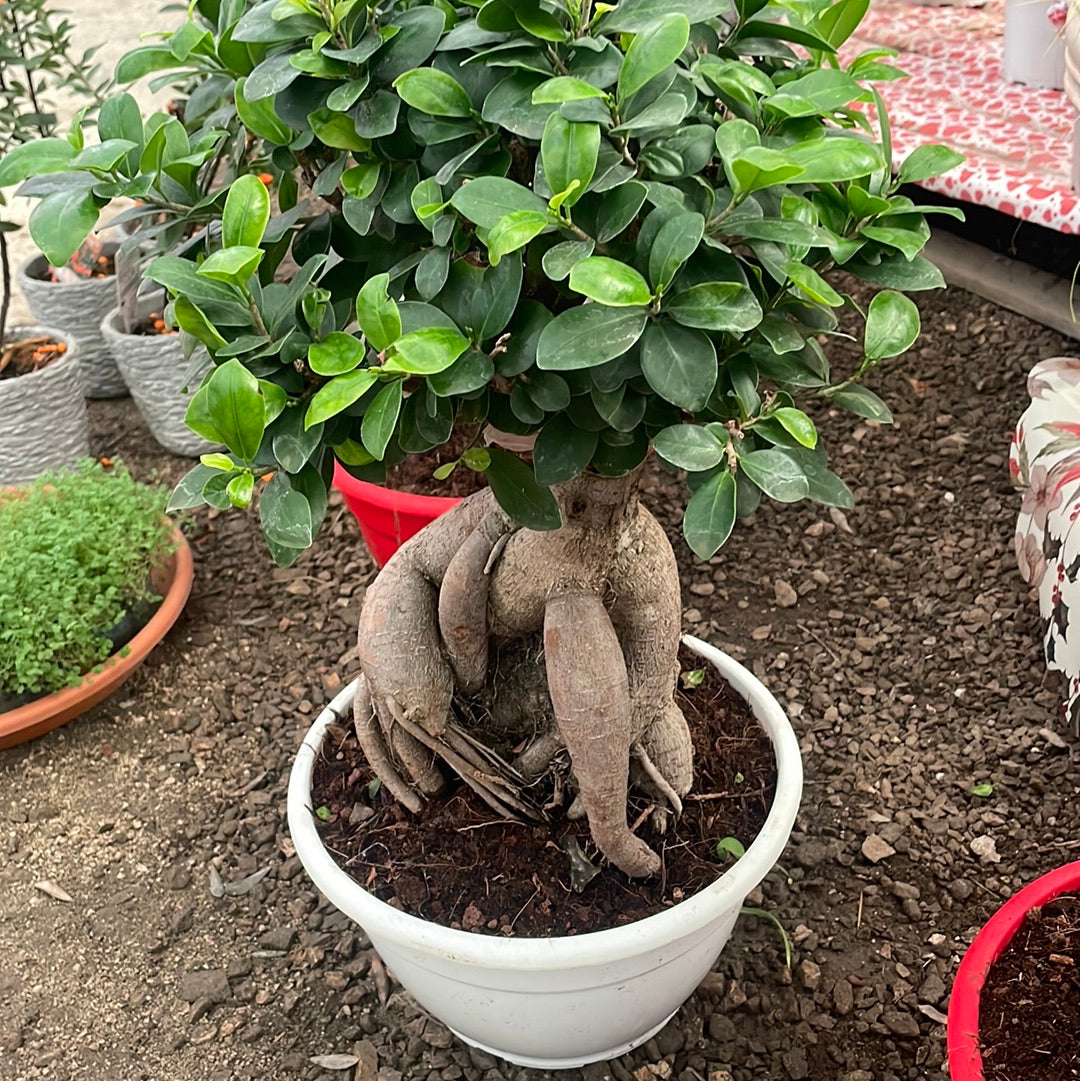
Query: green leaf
x=60, y=223
x=260, y=117
x=139, y=62
x=863, y=403
x=776, y=474
x=378, y=315
x=797, y=424
x=816, y=93
x=285, y=514
x=246, y=213
x=587, y=336
x=488, y=199
x=728, y=306
x=569, y=151
x=653, y=49
x=515, y=231
x=380, y=419
x=690, y=447
x=892, y=326
x=907, y=240
x=361, y=180
x=679, y=364
x=896, y=272
x=840, y=20
x=336, y=354
x=618, y=210
x=561, y=259
x=336, y=130
x=189, y=492
x=337, y=395
x=193, y=321
x=433, y=92
x=677, y=240
x=240, y=490
x=37, y=158
x=232, y=265
x=235, y=406
x=710, y=515
x=984, y=789
x=426, y=352
x=836, y=158
x=293, y=443
x=515, y=487
x=813, y=284
x=564, y=88
x=927, y=161
x=562, y=450
x=610, y=282
x=759, y=167
x=730, y=848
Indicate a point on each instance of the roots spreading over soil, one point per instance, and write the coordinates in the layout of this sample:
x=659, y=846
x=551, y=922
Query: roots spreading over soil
x=457, y=610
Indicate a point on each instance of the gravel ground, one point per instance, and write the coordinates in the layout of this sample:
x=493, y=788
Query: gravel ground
x=901, y=639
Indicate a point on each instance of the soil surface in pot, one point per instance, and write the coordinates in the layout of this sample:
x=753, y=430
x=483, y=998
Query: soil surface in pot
x=459, y=865
x=416, y=473
x=1029, y=1010
x=29, y=355
x=153, y=326
x=89, y=262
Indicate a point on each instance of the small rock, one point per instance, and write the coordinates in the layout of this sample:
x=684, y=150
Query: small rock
x=785, y=594
x=177, y=878
x=905, y=891
x=703, y=589
x=209, y=983
x=985, y=847
x=843, y=998
x=1053, y=738
x=810, y=974
x=199, y=1009
x=912, y=910
x=277, y=938
x=875, y=848
x=900, y=1024
x=759, y=634
x=961, y=889
x=932, y=989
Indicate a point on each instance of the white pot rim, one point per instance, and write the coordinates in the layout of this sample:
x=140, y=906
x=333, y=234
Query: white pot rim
x=566, y=951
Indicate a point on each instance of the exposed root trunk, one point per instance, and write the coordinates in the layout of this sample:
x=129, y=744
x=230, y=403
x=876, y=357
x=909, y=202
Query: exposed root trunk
x=444, y=616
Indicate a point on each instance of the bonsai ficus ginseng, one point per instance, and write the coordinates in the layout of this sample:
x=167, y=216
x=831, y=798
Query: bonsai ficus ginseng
x=608, y=226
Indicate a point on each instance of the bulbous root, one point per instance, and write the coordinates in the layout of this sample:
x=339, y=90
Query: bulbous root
x=447, y=610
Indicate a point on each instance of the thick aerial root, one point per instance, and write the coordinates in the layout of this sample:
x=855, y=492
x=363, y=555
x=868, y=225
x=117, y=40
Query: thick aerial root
x=372, y=742
x=463, y=599
x=591, y=697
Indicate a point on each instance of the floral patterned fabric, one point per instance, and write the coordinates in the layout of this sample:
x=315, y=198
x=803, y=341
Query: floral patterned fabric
x=1045, y=465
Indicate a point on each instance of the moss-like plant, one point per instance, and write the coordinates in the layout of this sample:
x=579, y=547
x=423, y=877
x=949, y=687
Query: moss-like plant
x=76, y=552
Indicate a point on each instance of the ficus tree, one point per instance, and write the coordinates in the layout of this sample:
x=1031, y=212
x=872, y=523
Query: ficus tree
x=611, y=227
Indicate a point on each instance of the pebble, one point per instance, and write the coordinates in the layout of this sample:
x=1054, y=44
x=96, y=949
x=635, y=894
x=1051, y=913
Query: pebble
x=205, y=983
x=875, y=848
x=785, y=594
x=900, y=1024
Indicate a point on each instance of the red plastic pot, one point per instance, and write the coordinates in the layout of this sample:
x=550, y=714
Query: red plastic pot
x=387, y=518
x=965, y=1060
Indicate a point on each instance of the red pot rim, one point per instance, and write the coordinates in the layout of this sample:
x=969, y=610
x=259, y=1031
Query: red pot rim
x=965, y=1060
x=44, y=714
x=388, y=498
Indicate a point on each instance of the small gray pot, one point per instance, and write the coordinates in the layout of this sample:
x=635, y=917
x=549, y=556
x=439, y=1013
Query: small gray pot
x=78, y=307
x=42, y=414
x=155, y=371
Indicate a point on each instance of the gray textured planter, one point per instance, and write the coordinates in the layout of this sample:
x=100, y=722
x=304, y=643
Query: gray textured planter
x=42, y=414
x=155, y=370
x=79, y=308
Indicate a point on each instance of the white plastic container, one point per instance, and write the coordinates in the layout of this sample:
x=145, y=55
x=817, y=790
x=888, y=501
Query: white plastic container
x=559, y=1003
x=1034, y=46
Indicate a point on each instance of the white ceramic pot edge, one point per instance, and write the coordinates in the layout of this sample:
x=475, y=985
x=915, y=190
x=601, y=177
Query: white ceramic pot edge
x=568, y=951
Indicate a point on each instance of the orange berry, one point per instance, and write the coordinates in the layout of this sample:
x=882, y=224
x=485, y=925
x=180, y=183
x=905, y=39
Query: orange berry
x=159, y=324
x=267, y=178
x=106, y=462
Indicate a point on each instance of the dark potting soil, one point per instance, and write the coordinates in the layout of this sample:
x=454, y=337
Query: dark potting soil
x=29, y=355
x=460, y=866
x=153, y=326
x=1029, y=1012
x=89, y=262
x=416, y=473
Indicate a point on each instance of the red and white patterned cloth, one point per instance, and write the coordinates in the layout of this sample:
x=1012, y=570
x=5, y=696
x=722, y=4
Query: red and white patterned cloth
x=1017, y=140
x=1045, y=464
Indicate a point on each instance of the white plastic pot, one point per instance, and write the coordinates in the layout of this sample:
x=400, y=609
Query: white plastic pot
x=1034, y=47
x=559, y=1003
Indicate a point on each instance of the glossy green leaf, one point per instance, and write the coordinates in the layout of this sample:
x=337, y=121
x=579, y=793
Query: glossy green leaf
x=433, y=92
x=658, y=45
x=336, y=396
x=519, y=494
x=797, y=424
x=610, y=282
x=892, y=326
x=246, y=213
x=587, y=336
x=564, y=88
x=776, y=474
x=380, y=419
x=677, y=240
x=232, y=265
x=261, y=117
x=336, y=354
x=488, y=199
x=425, y=352
x=710, y=515
x=569, y=151
x=235, y=406
x=562, y=450
x=377, y=314
x=863, y=403
x=928, y=161
x=728, y=306
x=561, y=259
x=515, y=231
x=690, y=446
x=679, y=364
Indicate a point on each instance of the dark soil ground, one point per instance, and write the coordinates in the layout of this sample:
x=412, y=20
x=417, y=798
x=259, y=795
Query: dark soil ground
x=900, y=638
